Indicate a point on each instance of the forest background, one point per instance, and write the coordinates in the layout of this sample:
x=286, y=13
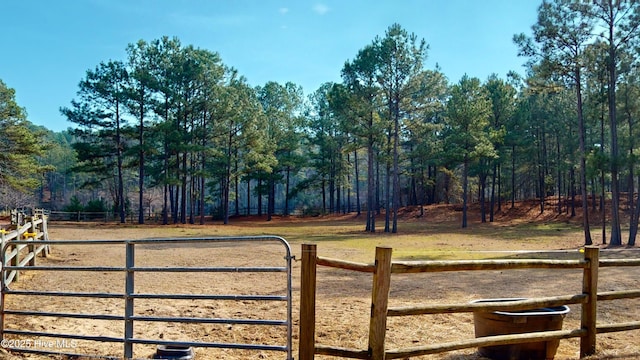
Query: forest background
x=172, y=132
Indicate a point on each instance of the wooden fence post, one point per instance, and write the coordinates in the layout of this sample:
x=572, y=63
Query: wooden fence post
x=307, y=346
x=32, y=247
x=379, y=303
x=590, y=288
x=16, y=259
x=3, y=241
x=45, y=236
x=39, y=230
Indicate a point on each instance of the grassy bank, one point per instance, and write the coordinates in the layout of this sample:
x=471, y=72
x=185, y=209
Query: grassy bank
x=417, y=239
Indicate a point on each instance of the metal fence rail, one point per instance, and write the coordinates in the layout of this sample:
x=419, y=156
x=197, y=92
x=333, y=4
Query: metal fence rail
x=129, y=296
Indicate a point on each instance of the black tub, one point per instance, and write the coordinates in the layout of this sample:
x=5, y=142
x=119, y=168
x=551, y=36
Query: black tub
x=489, y=323
x=174, y=352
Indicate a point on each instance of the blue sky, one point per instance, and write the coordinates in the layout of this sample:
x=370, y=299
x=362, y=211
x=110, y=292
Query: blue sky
x=47, y=46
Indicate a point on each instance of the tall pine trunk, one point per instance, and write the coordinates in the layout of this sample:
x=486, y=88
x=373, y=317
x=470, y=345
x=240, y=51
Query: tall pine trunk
x=583, y=162
x=513, y=176
x=387, y=187
x=119, y=144
x=226, y=181
x=493, y=192
x=259, y=196
x=141, y=155
x=635, y=217
x=357, y=182
x=236, y=182
x=616, y=236
x=465, y=190
x=371, y=184
x=248, y=196
x=183, y=189
x=483, y=187
x=635, y=210
x=396, y=168
x=286, y=191
x=271, y=197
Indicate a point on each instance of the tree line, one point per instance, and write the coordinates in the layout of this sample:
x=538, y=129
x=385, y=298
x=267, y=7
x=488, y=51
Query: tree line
x=174, y=122
x=19, y=149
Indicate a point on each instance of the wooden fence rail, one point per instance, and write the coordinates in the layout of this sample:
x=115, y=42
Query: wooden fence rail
x=23, y=227
x=384, y=267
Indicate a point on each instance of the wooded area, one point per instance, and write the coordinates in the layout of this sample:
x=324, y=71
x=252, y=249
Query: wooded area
x=173, y=130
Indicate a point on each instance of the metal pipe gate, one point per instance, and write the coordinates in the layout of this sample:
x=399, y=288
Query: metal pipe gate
x=129, y=297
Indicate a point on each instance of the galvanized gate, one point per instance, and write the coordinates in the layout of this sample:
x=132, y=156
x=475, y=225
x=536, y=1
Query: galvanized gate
x=40, y=341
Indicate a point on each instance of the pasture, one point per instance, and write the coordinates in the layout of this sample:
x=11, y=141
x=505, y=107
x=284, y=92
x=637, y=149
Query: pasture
x=343, y=298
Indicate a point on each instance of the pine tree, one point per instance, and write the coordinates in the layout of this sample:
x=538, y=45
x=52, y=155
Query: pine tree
x=99, y=113
x=466, y=134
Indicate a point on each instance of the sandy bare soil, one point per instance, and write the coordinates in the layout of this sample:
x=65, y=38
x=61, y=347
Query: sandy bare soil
x=343, y=302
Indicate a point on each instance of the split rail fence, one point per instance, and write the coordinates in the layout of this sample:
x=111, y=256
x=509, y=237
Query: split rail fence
x=384, y=267
x=29, y=228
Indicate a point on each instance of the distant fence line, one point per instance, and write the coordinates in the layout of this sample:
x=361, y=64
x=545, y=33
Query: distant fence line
x=384, y=267
x=23, y=227
x=105, y=216
x=132, y=216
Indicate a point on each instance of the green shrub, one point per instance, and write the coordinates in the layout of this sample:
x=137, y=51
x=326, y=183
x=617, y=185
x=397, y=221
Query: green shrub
x=97, y=205
x=74, y=205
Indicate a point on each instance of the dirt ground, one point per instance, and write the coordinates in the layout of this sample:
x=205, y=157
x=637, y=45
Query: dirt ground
x=343, y=300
